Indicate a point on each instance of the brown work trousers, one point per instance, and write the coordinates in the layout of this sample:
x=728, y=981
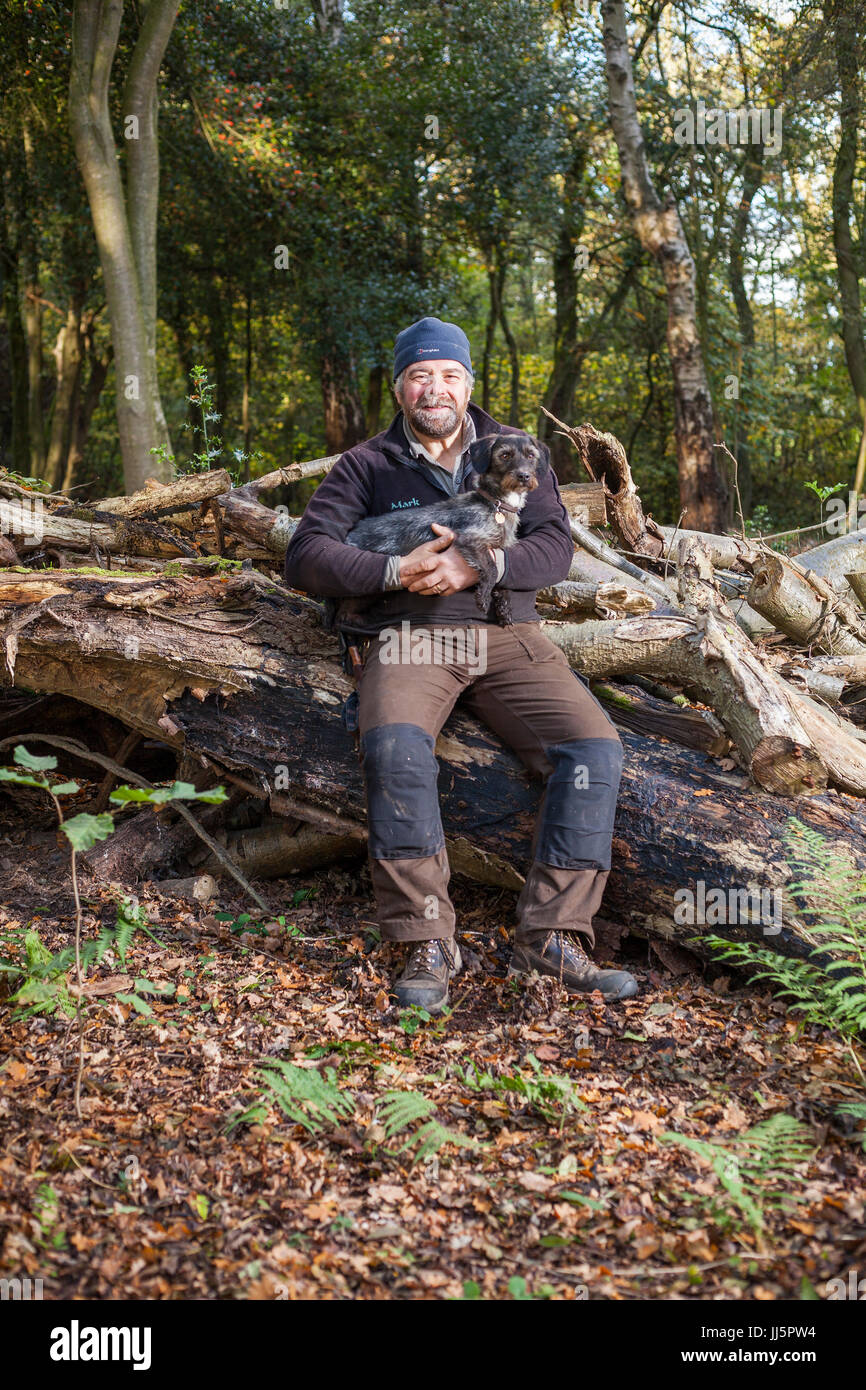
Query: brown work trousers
x=526, y=692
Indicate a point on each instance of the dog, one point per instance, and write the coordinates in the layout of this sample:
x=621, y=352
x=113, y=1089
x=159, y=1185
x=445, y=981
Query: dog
x=509, y=467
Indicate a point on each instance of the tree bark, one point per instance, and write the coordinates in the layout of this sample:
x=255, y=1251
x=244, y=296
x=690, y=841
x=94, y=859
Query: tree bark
x=843, y=16
x=345, y=423
x=124, y=227
x=10, y=277
x=263, y=705
x=86, y=400
x=703, y=494
x=67, y=358
x=561, y=386
x=513, y=354
x=753, y=172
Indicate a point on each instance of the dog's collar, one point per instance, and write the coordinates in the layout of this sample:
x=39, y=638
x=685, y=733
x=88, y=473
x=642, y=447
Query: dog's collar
x=499, y=506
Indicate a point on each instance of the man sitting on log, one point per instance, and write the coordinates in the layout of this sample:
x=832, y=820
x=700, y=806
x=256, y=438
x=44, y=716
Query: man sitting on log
x=512, y=678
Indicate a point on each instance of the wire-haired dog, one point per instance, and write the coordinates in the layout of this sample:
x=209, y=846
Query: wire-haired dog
x=510, y=466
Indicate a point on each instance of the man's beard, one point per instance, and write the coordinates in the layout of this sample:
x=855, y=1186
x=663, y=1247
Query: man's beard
x=436, y=424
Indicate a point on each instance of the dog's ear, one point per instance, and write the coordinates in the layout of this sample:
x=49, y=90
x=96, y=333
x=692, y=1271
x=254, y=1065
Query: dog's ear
x=544, y=461
x=479, y=452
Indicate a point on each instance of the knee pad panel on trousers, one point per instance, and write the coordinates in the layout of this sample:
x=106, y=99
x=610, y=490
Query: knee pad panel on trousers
x=580, y=804
x=401, y=774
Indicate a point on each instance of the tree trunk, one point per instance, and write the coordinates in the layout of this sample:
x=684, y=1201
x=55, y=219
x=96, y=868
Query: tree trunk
x=263, y=705
x=561, y=386
x=246, y=423
x=86, y=401
x=18, y=358
x=843, y=16
x=67, y=356
x=494, y=289
x=140, y=99
x=345, y=424
x=702, y=491
x=374, y=399
x=124, y=227
x=753, y=172
x=513, y=355
x=32, y=309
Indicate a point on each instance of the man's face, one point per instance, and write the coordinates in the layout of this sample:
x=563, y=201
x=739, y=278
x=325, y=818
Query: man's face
x=434, y=396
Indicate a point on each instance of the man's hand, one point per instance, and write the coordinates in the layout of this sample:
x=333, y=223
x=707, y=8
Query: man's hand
x=433, y=568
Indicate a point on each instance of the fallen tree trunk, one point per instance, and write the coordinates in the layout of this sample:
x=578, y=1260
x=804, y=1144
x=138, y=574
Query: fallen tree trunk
x=841, y=561
x=249, y=684
x=597, y=600
x=805, y=608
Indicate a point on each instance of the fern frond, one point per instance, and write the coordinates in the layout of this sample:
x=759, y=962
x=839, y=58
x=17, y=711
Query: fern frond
x=305, y=1096
x=400, y=1109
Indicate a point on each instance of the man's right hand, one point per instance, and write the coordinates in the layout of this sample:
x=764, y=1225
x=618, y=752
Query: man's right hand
x=423, y=557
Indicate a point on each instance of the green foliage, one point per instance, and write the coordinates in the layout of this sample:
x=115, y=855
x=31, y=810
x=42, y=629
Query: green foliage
x=554, y=1097
x=518, y=1289
x=830, y=988
x=307, y=1097
x=44, y=988
x=210, y=450
x=754, y=1170
x=822, y=493
x=44, y=975
x=402, y=1110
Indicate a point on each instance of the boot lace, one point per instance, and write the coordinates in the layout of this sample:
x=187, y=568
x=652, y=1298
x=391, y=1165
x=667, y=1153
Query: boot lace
x=425, y=957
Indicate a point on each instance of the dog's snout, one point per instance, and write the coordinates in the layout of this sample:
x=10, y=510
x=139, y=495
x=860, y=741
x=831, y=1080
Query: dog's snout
x=524, y=476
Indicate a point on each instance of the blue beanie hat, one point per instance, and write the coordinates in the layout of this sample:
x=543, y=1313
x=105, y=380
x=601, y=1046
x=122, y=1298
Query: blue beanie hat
x=431, y=338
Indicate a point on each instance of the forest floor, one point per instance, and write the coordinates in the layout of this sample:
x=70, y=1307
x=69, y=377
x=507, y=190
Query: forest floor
x=569, y=1190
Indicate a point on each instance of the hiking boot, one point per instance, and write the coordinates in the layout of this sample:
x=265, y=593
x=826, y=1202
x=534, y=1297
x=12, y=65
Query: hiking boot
x=424, y=981
x=559, y=954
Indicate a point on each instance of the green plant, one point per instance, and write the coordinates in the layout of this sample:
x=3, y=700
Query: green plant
x=752, y=1168
x=44, y=988
x=822, y=493
x=760, y=520
x=829, y=988
x=402, y=1110
x=305, y=1095
x=554, y=1097
x=517, y=1288
x=411, y=1019
x=46, y=1210
x=210, y=452
x=83, y=831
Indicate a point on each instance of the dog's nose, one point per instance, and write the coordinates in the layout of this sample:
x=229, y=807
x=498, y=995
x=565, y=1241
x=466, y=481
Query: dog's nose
x=523, y=476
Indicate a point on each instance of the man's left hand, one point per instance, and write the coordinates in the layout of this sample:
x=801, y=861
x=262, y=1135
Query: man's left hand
x=444, y=573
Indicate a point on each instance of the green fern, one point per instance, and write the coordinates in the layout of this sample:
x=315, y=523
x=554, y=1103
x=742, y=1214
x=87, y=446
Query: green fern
x=830, y=988
x=754, y=1167
x=401, y=1109
x=554, y=1097
x=306, y=1096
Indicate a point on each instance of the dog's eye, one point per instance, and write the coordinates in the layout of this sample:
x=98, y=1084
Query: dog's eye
x=505, y=453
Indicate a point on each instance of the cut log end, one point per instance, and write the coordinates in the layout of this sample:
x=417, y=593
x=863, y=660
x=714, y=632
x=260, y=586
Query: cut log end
x=790, y=769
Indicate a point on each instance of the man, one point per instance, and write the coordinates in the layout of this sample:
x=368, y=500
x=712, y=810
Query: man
x=524, y=689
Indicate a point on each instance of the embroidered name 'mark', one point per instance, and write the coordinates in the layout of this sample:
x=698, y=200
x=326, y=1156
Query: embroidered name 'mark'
x=412, y=502
x=76, y=1343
